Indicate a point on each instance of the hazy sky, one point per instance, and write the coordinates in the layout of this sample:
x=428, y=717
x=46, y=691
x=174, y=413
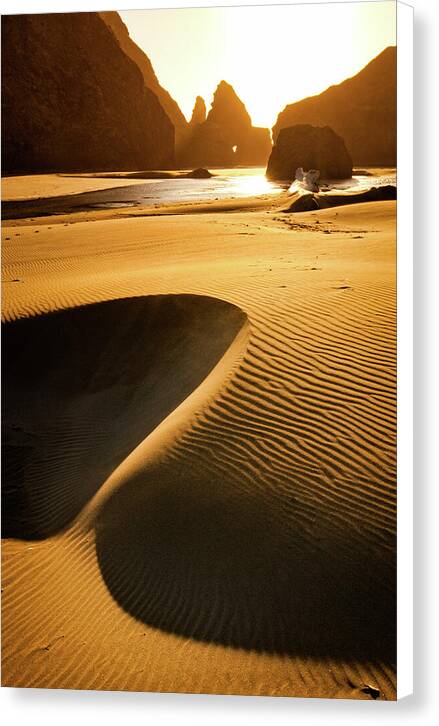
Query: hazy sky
x=272, y=55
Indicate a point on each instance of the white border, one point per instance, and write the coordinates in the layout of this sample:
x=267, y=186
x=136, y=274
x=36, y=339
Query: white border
x=51, y=707
x=47, y=6
x=405, y=348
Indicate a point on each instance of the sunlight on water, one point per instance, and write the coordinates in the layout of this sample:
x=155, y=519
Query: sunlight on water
x=224, y=184
x=361, y=182
x=358, y=183
x=248, y=186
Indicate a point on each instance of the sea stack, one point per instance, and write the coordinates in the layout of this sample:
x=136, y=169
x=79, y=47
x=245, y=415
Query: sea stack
x=361, y=109
x=229, y=113
x=72, y=100
x=309, y=147
x=226, y=137
x=199, y=112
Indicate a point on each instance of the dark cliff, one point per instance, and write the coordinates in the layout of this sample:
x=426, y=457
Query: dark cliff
x=169, y=105
x=72, y=100
x=361, y=109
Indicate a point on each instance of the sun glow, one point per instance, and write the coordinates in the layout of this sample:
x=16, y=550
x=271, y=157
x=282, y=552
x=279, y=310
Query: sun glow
x=272, y=55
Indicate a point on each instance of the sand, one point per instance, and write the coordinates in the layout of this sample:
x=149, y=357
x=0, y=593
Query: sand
x=210, y=486
x=36, y=186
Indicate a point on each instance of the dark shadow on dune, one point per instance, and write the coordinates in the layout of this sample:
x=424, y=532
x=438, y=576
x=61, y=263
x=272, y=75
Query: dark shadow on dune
x=191, y=553
x=81, y=388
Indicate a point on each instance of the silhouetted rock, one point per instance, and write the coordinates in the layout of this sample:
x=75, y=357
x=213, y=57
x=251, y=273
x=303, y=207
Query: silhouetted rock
x=72, y=100
x=310, y=147
x=254, y=148
x=303, y=203
x=199, y=112
x=171, y=107
x=229, y=113
x=311, y=202
x=227, y=137
x=207, y=146
x=361, y=109
x=199, y=173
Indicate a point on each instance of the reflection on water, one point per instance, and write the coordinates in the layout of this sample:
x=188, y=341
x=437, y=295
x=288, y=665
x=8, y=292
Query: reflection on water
x=358, y=182
x=245, y=184
x=361, y=182
x=225, y=184
x=240, y=183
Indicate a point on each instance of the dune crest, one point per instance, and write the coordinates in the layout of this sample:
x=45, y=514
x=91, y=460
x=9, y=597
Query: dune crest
x=102, y=377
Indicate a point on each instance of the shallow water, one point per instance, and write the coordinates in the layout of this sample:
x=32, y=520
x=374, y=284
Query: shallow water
x=225, y=184
x=230, y=184
x=361, y=182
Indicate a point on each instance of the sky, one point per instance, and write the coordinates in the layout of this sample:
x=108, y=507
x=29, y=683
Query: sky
x=272, y=55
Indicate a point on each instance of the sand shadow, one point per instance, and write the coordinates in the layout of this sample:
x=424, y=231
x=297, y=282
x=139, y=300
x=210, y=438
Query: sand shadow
x=194, y=554
x=81, y=388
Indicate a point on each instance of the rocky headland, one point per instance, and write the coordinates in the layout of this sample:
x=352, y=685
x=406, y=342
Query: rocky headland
x=73, y=99
x=361, y=109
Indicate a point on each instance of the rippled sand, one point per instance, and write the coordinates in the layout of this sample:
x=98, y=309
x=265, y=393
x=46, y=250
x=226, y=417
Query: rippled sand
x=201, y=487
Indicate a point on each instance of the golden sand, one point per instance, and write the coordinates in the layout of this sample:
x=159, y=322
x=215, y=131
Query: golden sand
x=210, y=474
x=36, y=186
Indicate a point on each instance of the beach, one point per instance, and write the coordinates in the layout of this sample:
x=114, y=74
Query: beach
x=203, y=411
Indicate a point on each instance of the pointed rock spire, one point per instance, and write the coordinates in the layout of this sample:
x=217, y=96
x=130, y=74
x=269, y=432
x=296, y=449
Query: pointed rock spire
x=199, y=112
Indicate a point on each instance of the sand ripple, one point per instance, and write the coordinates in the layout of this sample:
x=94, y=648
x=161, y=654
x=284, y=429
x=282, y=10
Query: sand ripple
x=233, y=499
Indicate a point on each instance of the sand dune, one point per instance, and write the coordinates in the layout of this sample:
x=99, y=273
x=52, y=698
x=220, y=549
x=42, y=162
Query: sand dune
x=236, y=534
x=102, y=377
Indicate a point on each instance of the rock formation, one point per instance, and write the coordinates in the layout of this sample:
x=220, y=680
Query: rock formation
x=311, y=202
x=254, y=148
x=362, y=110
x=206, y=146
x=226, y=137
x=229, y=113
x=72, y=100
x=310, y=147
x=199, y=112
x=171, y=107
